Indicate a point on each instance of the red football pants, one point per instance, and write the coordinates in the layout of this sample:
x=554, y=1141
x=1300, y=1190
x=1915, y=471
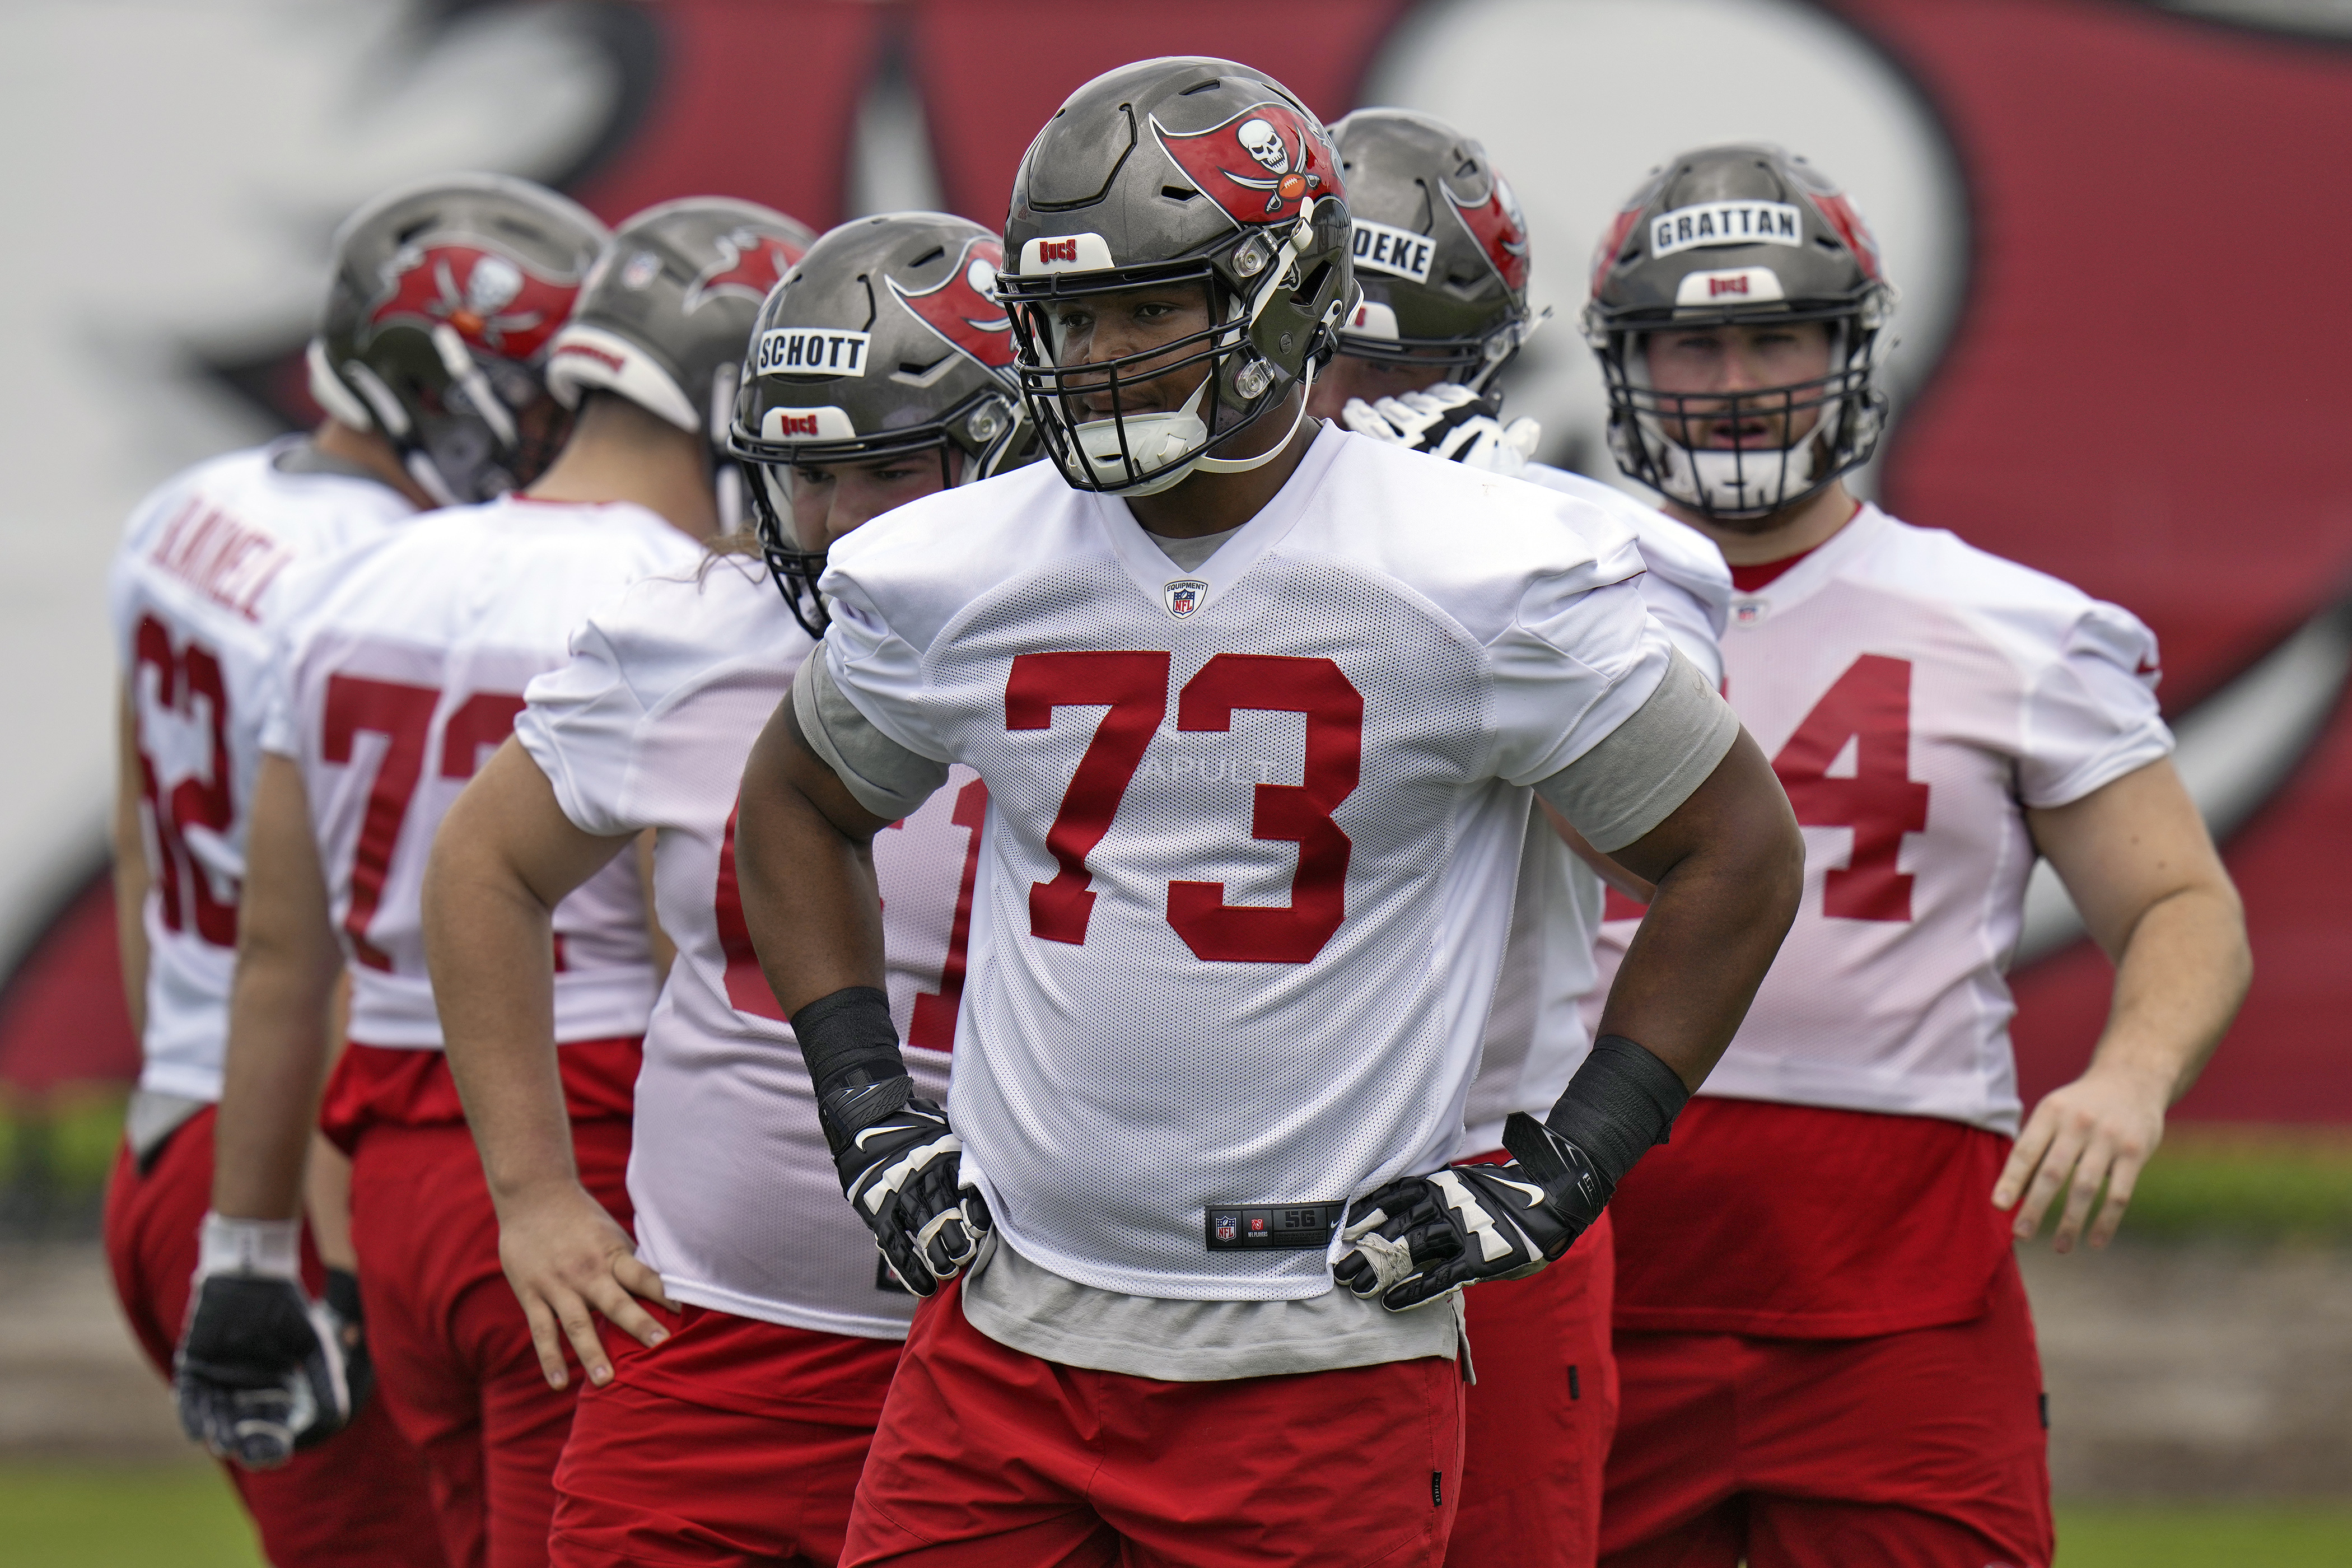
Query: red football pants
x=993, y=1458
x=453, y=1350
x=360, y=1497
x=1540, y=1414
x=733, y=1443
x=1919, y=1450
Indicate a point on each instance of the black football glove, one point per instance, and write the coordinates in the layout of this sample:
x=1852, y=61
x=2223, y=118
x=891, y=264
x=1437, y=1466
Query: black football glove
x=262, y=1371
x=900, y=1164
x=1421, y=1238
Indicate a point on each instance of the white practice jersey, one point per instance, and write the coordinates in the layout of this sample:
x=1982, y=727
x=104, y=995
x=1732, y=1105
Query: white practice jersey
x=1253, y=829
x=1915, y=696
x=397, y=679
x=196, y=592
x=1537, y=1035
x=738, y=1202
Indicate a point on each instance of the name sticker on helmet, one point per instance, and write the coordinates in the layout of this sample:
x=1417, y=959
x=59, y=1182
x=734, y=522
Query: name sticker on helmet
x=1399, y=252
x=811, y=350
x=1726, y=223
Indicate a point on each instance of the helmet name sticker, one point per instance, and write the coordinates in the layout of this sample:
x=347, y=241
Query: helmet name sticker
x=1726, y=223
x=1184, y=595
x=1399, y=252
x=1265, y=164
x=811, y=350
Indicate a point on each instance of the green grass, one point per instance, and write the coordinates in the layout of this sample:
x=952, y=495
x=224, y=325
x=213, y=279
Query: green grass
x=2217, y=1535
x=87, y=1517
x=2265, y=1184
x=186, y=1517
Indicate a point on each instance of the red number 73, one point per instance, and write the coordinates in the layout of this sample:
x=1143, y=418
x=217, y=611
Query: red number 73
x=1133, y=687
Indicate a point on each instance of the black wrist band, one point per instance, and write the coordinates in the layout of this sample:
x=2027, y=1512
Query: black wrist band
x=847, y=1038
x=1620, y=1102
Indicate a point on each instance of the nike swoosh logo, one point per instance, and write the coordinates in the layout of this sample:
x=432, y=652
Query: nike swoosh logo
x=2236, y=748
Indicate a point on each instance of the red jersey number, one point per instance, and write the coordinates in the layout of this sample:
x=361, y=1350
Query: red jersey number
x=402, y=715
x=932, y=1027
x=1134, y=686
x=1869, y=705
x=184, y=676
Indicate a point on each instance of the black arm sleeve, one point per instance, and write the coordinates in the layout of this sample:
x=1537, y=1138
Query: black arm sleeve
x=1620, y=1102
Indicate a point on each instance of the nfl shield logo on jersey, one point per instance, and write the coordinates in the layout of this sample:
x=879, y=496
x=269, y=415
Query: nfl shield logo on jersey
x=1228, y=1226
x=1183, y=596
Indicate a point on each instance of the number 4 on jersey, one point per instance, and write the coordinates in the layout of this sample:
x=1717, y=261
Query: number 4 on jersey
x=1869, y=705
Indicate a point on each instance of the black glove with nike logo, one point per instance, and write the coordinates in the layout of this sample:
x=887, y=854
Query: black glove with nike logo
x=1420, y=1240
x=899, y=1162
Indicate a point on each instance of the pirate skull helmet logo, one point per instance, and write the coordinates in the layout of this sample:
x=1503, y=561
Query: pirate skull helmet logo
x=1264, y=144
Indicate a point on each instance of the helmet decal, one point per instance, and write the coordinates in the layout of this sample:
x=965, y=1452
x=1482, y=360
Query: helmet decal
x=750, y=264
x=1851, y=229
x=1500, y=229
x=961, y=308
x=1265, y=164
x=494, y=302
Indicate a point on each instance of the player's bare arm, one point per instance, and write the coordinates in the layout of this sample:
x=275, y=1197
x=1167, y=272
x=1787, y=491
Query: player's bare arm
x=286, y=962
x=2142, y=869
x=1727, y=865
x=130, y=873
x=505, y=857
x=804, y=851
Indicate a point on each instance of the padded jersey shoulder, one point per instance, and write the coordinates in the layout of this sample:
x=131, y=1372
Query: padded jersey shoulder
x=1492, y=553
x=672, y=632
x=918, y=565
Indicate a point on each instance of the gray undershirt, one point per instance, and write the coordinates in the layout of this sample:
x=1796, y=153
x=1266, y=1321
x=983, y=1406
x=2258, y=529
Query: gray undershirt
x=1188, y=553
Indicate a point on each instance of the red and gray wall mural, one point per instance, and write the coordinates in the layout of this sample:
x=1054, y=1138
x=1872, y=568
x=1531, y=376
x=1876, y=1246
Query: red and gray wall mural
x=2122, y=268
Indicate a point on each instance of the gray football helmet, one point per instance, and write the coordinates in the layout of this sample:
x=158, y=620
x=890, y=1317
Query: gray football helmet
x=1740, y=234
x=886, y=339
x=445, y=295
x=665, y=316
x=1177, y=171
x=1440, y=247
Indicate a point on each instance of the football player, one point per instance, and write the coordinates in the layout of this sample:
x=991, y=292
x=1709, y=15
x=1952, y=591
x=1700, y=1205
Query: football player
x=392, y=686
x=201, y=586
x=1441, y=256
x=1258, y=705
x=1825, y=1350
x=740, y=1442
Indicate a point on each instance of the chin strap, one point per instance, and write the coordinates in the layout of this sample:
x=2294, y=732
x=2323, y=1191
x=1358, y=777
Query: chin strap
x=1244, y=465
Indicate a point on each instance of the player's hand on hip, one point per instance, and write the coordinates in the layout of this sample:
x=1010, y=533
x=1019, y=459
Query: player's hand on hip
x=1448, y=421
x=1422, y=1239
x=901, y=1166
x=568, y=1259
x=2098, y=1129
x=261, y=1372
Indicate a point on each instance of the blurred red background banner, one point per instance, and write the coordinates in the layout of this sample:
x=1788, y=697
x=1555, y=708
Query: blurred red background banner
x=2139, y=395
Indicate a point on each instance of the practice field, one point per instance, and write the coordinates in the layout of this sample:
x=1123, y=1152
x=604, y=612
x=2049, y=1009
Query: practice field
x=185, y=1516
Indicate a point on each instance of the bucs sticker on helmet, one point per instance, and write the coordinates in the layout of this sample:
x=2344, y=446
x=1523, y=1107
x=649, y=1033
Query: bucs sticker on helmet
x=1184, y=595
x=961, y=307
x=1726, y=223
x=493, y=301
x=1501, y=231
x=1265, y=164
x=750, y=264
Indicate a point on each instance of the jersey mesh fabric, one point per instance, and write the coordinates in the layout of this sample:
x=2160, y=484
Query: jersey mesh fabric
x=1923, y=693
x=1309, y=1057
x=1536, y=1034
x=737, y=1204
x=404, y=674
x=196, y=590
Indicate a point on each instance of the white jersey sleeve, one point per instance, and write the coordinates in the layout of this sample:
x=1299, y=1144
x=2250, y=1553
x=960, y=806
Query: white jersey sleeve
x=647, y=726
x=1687, y=587
x=206, y=575
x=399, y=681
x=2092, y=717
x=1252, y=832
